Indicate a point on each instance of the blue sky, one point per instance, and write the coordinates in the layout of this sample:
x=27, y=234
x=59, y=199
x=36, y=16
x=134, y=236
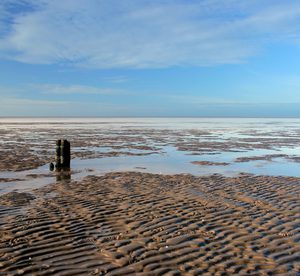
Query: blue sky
x=149, y=58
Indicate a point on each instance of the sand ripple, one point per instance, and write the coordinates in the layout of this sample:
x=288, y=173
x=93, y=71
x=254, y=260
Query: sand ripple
x=145, y=224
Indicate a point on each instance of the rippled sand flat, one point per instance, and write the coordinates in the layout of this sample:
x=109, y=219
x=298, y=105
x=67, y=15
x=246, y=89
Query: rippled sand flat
x=148, y=224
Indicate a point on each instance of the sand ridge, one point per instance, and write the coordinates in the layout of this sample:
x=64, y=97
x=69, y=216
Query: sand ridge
x=149, y=224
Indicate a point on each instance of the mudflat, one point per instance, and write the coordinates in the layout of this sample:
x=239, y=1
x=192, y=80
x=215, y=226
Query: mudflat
x=150, y=224
x=115, y=214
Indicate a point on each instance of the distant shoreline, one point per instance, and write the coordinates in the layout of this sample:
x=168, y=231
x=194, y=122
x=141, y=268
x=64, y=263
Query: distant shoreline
x=150, y=117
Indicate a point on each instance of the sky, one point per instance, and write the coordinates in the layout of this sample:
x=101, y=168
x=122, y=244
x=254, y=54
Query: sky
x=150, y=58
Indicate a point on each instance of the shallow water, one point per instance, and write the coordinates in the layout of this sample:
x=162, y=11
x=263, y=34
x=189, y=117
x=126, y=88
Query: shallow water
x=283, y=133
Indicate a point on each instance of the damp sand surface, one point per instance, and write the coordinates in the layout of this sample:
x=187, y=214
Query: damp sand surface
x=199, y=146
x=133, y=223
x=151, y=197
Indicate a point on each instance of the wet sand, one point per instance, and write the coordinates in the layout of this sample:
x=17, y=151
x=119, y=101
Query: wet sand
x=27, y=145
x=149, y=224
x=209, y=163
x=137, y=223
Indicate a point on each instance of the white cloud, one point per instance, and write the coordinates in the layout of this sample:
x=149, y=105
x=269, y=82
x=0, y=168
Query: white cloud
x=10, y=106
x=28, y=107
x=23, y=102
x=60, y=89
x=200, y=100
x=269, y=97
x=145, y=34
x=116, y=79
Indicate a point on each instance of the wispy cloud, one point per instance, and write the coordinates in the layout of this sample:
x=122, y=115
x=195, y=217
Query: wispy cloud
x=24, y=102
x=200, y=100
x=142, y=33
x=12, y=106
x=59, y=89
x=242, y=100
x=116, y=79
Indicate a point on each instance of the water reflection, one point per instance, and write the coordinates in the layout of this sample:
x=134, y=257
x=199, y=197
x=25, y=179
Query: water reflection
x=63, y=174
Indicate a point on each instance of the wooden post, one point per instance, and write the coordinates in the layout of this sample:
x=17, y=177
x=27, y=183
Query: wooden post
x=58, y=154
x=63, y=154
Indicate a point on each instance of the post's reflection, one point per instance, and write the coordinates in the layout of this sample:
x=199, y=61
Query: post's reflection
x=63, y=174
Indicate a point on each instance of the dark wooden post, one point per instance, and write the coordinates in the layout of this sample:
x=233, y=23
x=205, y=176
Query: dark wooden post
x=63, y=154
x=58, y=154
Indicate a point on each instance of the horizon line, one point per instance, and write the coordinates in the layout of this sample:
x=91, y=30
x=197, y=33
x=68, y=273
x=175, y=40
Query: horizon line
x=241, y=117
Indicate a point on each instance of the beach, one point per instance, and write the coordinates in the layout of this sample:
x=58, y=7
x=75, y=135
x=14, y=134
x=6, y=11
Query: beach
x=151, y=197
